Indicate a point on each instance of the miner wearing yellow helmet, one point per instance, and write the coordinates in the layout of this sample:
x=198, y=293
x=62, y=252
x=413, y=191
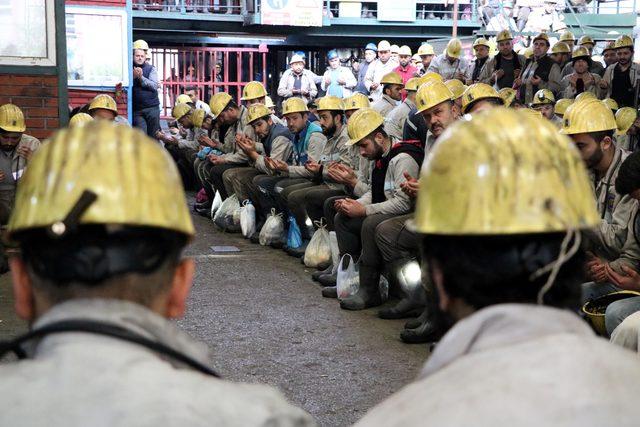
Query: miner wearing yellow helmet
x=502, y=69
x=628, y=130
x=581, y=79
x=378, y=69
x=426, y=53
x=450, y=64
x=101, y=220
x=396, y=118
x=507, y=271
x=620, y=80
x=144, y=100
x=392, y=86
x=595, y=67
x=539, y=72
x=481, y=50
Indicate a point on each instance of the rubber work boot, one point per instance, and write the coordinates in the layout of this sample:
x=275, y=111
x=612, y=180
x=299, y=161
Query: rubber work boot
x=299, y=251
x=430, y=330
x=406, y=307
x=368, y=294
x=412, y=324
x=316, y=274
x=330, y=292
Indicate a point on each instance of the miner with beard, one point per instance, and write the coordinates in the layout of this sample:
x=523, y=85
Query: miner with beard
x=620, y=79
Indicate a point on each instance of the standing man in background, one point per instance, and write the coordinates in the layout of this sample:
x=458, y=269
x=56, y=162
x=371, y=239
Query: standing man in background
x=370, y=53
x=146, y=104
x=337, y=80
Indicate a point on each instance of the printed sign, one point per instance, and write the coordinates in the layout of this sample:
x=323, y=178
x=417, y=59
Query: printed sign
x=295, y=13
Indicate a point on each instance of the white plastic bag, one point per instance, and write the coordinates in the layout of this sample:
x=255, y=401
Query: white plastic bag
x=272, y=230
x=248, y=219
x=225, y=217
x=215, y=205
x=318, y=252
x=348, y=281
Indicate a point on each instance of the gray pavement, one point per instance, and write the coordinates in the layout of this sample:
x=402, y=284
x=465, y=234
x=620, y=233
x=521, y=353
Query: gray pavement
x=266, y=321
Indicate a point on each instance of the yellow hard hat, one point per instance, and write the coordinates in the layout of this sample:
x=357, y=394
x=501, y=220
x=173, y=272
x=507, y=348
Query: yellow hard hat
x=625, y=117
x=584, y=96
x=79, y=120
x=384, y=46
x=180, y=110
x=391, y=78
x=269, y=102
x=567, y=36
x=454, y=48
x=623, y=41
x=519, y=176
x=611, y=45
x=11, y=118
x=585, y=40
x=456, y=87
x=258, y=111
x=588, y=117
x=197, y=117
x=481, y=42
x=543, y=97
x=395, y=48
x=218, y=103
x=426, y=49
x=404, y=50
x=294, y=105
x=330, y=103
x=560, y=47
x=431, y=94
x=580, y=52
x=136, y=181
x=362, y=123
x=183, y=99
x=477, y=92
x=528, y=52
x=357, y=101
x=611, y=103
x=253, y=90
x=541, y=36
x=413, y=84
x=504, y=35
x=562, y=105
x=508, y=95
x=140, y=44
x=105, y=102
x=431, y=76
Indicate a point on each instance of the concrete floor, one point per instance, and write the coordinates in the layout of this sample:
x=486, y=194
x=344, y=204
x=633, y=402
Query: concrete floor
x=266, y=322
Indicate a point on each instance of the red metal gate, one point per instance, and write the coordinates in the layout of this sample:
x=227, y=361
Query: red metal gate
x=207, y=69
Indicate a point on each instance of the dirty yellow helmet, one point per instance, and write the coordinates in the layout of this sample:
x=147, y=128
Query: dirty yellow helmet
x=183, y=99
x=584, y=96
x=426, y=49
x=508, y=95
x=456, y=87
x=105, y=102
x=562, y=105
x=567, y=36
x=384, y=46
x=135, y=180
x=11, y=118
x=431, y=94
x=330, y=103
x=503, y=36
x=587, y=117
x=454, y=48
x=430, y=76
x=197, y=117
x=543, y=97
x=625, y=117
x=253, y=90
x=580, y=52
x=358, y=101
x=258, y=111
x=560, y=47
x=611, y=45
x=624, y=41
x=519, y=176
x=180, y=110
x=218, y=103
x=269, y=102
x=528, y=52
x=585, y=40
x=412, y=84
x=541, y=36
x=404, y=50
x=79, y=120
x=294, y=105
x=481, y=42
x=362, y=123
x=477, y=92
x=140, y=44
x=611, y=103
x=392, y=78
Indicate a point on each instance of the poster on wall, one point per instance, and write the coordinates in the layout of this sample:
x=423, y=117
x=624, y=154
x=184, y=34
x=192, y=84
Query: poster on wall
x=96, y=46
x=27, y=32
x=295, y=13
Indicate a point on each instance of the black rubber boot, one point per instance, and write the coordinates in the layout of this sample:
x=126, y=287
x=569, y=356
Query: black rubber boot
x=412, y=324
x=328, y=279
x=298, y=252
x=368, y=294
x=316, y=274
x=330, y=292
x=403, y=309
x=431, y=330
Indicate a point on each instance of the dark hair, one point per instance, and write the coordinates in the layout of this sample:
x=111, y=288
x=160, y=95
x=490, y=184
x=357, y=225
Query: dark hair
x=628, y=179
x=334, y=114
x=584, y=58
x=379, y=129
x=231, y=104
x=494, y=101
x=488, y=270
x=599, y=136
x=188, y=88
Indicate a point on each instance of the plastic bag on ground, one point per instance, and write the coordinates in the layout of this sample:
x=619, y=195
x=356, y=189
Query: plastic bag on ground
x=247, y=219
x=318, y=253
x=272, y=230
x=215, y=205
x=348, y=281
x=294, y=237
x=227, y=217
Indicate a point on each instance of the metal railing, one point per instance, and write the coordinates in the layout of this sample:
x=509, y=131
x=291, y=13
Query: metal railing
x=218, y=7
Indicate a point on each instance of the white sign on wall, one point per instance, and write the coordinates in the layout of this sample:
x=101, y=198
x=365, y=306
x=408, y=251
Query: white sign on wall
x=296, y=13
x=27, y=32
x=397, y=10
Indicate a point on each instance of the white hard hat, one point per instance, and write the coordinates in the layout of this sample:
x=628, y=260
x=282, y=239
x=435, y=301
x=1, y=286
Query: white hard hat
x=296, y=58
x=384, y=45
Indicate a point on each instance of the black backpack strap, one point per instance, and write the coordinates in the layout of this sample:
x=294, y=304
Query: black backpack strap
x=105, y=329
